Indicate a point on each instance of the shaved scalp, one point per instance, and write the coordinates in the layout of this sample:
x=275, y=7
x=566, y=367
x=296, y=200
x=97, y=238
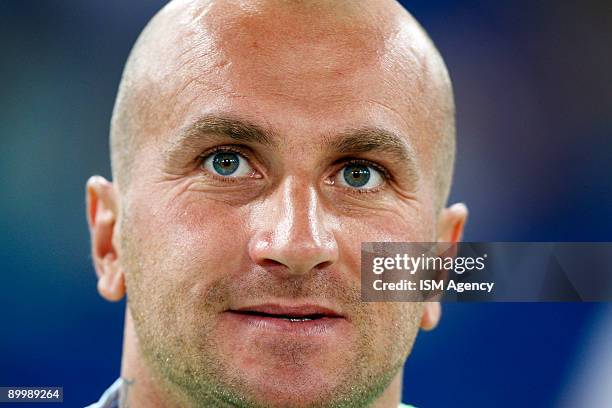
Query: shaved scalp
x=188, y=34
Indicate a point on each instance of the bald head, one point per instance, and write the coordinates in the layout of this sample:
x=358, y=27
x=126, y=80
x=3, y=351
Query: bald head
x=199, y=57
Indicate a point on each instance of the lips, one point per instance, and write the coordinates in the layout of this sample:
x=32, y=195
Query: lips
x=276, y=322
x=294, y=314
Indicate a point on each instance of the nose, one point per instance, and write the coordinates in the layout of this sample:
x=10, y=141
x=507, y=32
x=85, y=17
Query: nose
x=293, y=236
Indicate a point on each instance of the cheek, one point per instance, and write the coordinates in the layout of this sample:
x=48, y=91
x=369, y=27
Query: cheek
x=187, y=244
x=390, y=326
x=400, y=322
x=389, y=227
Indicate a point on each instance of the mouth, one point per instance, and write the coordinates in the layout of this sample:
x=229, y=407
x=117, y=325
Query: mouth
x=294, y=320
x=291, y=317
x=294, y=314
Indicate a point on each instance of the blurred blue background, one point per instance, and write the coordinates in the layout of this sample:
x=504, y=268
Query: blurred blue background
x=533, y=84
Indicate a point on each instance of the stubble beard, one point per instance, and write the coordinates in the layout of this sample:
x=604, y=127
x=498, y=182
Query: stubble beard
x=184, y=359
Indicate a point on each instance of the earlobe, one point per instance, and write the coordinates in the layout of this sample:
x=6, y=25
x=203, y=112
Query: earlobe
x=111, y=284
x=101, y=217
x=431, y=315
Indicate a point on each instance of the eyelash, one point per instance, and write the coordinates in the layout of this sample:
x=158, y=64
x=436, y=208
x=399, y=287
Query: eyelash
x=344, y=162
x=384, y=173
x=227, y=148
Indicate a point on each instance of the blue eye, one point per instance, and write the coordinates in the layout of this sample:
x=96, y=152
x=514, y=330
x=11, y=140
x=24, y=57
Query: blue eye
x=359, y=176
x=228, y=164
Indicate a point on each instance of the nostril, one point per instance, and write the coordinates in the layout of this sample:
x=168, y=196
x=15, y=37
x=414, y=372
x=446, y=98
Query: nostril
x=269, y=263
x=323, y=265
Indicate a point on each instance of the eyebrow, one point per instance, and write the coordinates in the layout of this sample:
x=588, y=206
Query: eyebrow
x=238, y=130
x=212, y=128
x=352, y=141
x=365, y=140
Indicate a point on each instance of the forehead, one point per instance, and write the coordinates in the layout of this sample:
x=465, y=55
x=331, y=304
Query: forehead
x=300, y=70
x=308, y=55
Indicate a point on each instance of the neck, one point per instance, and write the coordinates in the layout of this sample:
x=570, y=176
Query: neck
x=143, y=388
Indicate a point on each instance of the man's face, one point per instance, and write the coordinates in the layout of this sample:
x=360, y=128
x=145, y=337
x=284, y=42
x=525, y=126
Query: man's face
x=250, y=194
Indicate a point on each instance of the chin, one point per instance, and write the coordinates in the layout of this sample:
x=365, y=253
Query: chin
x=294, y=379
x=299, y=391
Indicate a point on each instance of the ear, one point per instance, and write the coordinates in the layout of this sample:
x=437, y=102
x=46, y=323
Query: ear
x=101, y=217
x=451, y=222
x=431, y=315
